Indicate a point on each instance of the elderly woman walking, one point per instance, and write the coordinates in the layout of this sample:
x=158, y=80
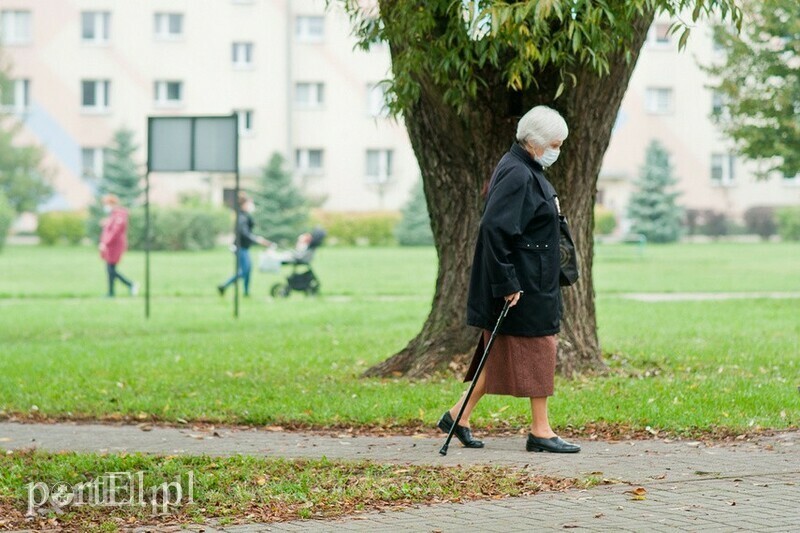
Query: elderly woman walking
x=517, y=260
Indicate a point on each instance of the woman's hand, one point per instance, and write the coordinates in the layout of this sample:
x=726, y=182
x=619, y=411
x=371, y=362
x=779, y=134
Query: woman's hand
x=513, y=298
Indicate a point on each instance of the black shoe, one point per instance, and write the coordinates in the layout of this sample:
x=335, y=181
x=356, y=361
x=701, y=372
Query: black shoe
x=221, y=290
x=462, y=433
x=553, y=445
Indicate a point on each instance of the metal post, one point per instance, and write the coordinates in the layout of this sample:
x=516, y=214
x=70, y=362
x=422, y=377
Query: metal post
x=238, y=214
x=147, y=238
x=147, y=245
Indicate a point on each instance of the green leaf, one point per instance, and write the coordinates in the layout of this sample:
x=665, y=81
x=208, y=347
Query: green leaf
x=696, y=11
x=576, y=40
x=683, y=39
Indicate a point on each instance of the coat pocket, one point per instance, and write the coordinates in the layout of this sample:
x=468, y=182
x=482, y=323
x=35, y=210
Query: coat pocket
x=531, y=260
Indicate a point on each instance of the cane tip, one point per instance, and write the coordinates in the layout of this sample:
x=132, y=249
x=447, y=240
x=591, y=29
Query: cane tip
x=443, y=451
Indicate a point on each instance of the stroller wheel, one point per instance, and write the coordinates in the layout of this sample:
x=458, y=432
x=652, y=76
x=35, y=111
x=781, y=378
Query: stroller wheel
x=313, y=289
x=280, y=290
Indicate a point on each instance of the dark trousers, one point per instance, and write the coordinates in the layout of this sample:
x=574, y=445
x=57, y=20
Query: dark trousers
x=113, y=275
x=245, y=267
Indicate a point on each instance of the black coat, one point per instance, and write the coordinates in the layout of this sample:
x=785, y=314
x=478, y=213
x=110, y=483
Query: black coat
x=517, y=249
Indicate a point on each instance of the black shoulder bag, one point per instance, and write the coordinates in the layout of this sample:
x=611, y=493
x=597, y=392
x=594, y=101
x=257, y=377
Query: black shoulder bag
x=569, y=258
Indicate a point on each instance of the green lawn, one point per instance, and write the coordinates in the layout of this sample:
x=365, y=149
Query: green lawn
x=677, y=366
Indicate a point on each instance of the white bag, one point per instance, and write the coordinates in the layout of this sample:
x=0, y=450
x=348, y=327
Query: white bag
x=269, y=261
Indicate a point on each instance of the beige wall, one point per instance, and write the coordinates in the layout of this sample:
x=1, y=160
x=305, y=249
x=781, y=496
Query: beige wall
x=56, y=61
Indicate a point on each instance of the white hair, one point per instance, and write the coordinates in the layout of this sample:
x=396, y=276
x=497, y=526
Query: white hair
x=541, y=126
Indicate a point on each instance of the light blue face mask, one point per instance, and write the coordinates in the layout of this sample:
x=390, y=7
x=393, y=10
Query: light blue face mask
x=549, y=156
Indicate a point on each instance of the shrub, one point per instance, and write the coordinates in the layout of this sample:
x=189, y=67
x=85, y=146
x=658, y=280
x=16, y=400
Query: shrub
x=414, y=229
x=692, y=219
x=73, y=227
x=761, y=221
x=372, y=228
x=716, y=224
x=179, y=228
x=605, y=222
x=6, y=219
x=789, y=223
x=55, y=226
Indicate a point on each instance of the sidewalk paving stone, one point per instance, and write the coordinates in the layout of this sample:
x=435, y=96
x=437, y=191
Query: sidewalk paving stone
x=738, y=486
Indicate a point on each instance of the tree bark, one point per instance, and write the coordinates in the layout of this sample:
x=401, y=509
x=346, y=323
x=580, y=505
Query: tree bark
x=457, y=153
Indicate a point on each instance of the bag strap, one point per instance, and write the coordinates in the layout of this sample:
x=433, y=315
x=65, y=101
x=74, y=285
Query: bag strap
x=544, y=191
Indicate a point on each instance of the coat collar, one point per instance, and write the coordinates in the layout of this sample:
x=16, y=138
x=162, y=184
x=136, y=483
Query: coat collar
x=522, y=153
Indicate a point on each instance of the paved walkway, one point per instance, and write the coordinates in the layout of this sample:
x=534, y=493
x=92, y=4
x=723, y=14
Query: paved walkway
x=736, y=486
x=706, y=296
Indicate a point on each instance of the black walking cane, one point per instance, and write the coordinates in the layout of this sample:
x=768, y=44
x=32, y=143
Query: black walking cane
x=478, y=370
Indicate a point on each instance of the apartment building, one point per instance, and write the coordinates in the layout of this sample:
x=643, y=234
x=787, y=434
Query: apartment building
x=287, y=68
x=669, y=100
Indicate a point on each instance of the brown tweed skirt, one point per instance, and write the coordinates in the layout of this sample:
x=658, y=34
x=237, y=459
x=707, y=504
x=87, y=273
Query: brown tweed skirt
x=517, y=366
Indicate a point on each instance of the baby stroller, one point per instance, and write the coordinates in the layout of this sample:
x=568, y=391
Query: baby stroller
x=302, y=277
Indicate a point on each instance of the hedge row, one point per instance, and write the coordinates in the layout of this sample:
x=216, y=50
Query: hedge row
x=195, y=228
x=6, y=219
x=369, y=228
x=179, y=228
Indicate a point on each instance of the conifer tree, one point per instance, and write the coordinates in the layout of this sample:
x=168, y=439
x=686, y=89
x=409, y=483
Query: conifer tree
x=414, y=228
x=652, y=208
x=121, y=177
x=281, y=210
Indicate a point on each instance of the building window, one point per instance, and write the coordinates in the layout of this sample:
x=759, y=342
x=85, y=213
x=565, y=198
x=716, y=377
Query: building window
x=308, y=161
x=242, y=55
x=95, y=95
x=658, y=100
x=376, y=100
x=309, y=94
x=659, y=34
x=723, y=168
x=717, y=103
x=15, y=27
x=16, y=98
x=229, y=197
x=379, y=166
x=168, y=25
x=309, y=29
x=168, y=93
x=245, y=120
x=95, y=27
x=92, y=163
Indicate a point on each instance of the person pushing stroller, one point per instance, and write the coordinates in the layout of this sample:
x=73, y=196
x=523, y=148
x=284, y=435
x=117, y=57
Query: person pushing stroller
x=245, y=238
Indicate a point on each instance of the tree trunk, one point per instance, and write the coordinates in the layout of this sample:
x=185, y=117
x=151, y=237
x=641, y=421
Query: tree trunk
x=457, y=153
x=456, y=156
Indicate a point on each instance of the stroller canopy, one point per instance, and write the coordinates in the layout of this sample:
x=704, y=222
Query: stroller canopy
x=317, y=236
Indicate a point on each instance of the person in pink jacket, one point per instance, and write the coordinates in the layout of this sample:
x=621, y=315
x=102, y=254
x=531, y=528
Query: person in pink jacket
x=114, y=242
